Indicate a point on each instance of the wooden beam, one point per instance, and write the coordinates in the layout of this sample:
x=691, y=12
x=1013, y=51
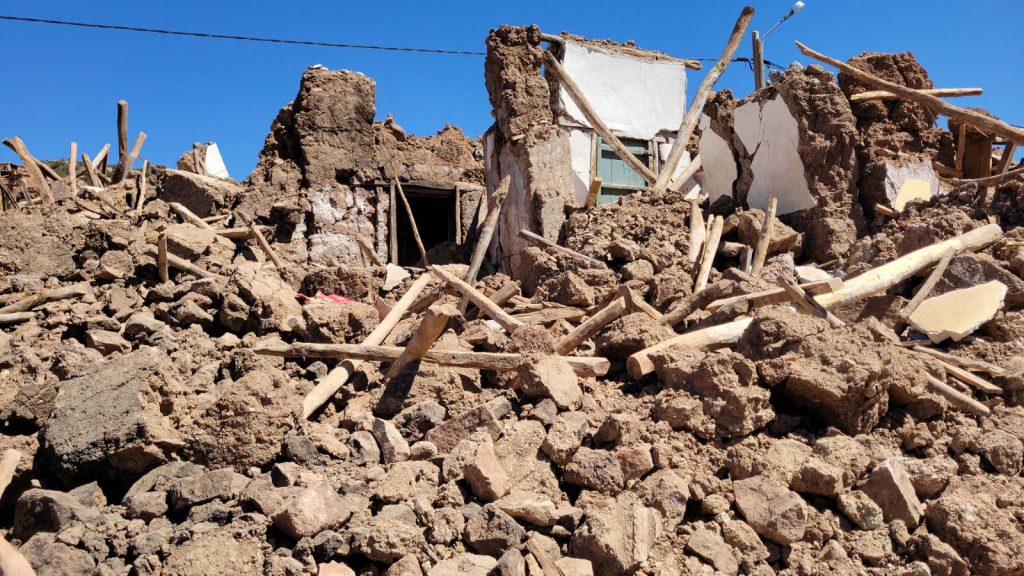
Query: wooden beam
x=708, y=256
x=585, y=366
x=538, y=239
x=689, y=123
x=937, y=92
x=482, y=302
x=635, y=303
x=764, y=238
x=121, y=172
x=928, y=285
x=986, y=123
x=8, y=466
x=44, y=296
x=35, y=174
x=758, y=52
x=72, y=173
x=122, y=132
x=591, y=326
x=99, y=162
x=432, y=324
x=574, y=91
x=807, y=302
x=961, y=147
x=339, y=375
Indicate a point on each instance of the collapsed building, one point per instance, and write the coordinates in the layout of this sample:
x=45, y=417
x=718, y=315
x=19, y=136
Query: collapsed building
x=799, y=349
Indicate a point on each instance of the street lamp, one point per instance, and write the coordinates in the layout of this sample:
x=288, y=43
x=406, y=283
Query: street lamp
x=758, y=44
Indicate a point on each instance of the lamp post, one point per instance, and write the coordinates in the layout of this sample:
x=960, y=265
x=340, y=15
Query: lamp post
x=758, y=45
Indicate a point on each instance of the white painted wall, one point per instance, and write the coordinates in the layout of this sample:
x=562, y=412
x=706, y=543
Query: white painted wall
x=215, y=163
x=636, y=98
x=719, y=165
x=770, y=134
x=581, y=149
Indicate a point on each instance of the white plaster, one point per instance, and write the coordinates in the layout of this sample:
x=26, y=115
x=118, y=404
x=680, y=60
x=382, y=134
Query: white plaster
x=719, y=165
x=581, y=151
x=636, y=98
x=958, y=313
x=215, y=163
x=770, y=134
x=690, y=188
x=908, y=181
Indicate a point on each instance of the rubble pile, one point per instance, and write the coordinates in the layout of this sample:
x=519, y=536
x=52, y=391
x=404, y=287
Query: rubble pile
x=207, y=377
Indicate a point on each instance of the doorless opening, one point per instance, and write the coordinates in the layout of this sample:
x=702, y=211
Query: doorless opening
x=434, y=211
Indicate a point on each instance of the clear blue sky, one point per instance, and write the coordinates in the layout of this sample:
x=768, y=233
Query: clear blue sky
x=61, y=84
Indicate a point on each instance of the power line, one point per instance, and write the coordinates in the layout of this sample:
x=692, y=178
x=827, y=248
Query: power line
x=243, y=38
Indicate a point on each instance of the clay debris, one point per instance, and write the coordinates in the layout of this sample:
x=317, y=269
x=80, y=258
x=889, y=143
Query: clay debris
x=204, y=376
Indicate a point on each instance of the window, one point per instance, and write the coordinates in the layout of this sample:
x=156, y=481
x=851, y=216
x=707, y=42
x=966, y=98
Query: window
x=617, y=178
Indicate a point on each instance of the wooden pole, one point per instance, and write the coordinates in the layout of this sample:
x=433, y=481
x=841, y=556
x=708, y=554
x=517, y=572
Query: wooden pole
x=337, y=377
x=775, y=295
x=72, y=173
x=143, y=185
x=957, y=398
x=90, y=171
x=591, y=326
x=431, y=326
x=964, y=376
x=161, y=257
x=593, y=192
x=50, y=295
x=807, y=302
x=181, y=264
x=1007, y=158
x=967, y=363
x=698, y=231
x=994, y=180
x=928, y=285
x=121, y=172
x=574, y=91
x=408, y=212
x=675, y=156
x=458, y=215
x=758, y=46
x=640, y=363
x=16, y=317
x=581, y=365
x=708, y=256
x=487, y=231
x=987, y=124
x=482, y=302
x=939, y=92
x=188, y=215
x=35, y=175
x=264, y=245
x=635, y=303
x=393, y=222
x=538, y=239
x=122, y=132
x=99, y=162
x=764, y=238
x=695, y=165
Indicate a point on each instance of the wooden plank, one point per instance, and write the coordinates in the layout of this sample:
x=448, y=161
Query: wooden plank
x=976, y=382
x=961, y=147
x=764, y=238
x=689, y=123
x=687, y=173
x=1007, y=158
x=986, y=123
x=698, y=231
x=593, y=191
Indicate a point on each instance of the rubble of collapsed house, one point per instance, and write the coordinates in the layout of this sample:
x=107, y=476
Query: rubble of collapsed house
x=796, y=346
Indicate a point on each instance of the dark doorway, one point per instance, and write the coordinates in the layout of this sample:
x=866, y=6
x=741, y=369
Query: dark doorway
x=434, y=210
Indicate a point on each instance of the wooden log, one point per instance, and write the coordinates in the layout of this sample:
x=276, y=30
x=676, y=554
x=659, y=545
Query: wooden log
x=182, y=264
x=637, y=304
x=140, y=198
x=490, y=224
x=976, y=382
x=957, y=398
x=995, y=180
x=807, y=302
x=188, y=215
x=8, y=466
x=593, y=191
x=538, y=239
x=90, y=171
x=339, y=375
x=937, y=92
x=35, y=174
x=967, y=363
x=505, y=293
x=708, y=256
x=775, y=295
x=686, y=174
x=408, y=212
x=16, y=317
x=689, y=123
x=50, y=295
x=698, y=231
x=72, y=174
x=393, y=223
x=928, y=285
x=764, y=238
x=987, y=124
x=161, y=257
x=554, y=67
x=640, y=363
x=482, y=302
x=431, y=326
x=123, y=168
x=591, y=326
x=585, y=366
x=122, y=132
x=877, y=280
